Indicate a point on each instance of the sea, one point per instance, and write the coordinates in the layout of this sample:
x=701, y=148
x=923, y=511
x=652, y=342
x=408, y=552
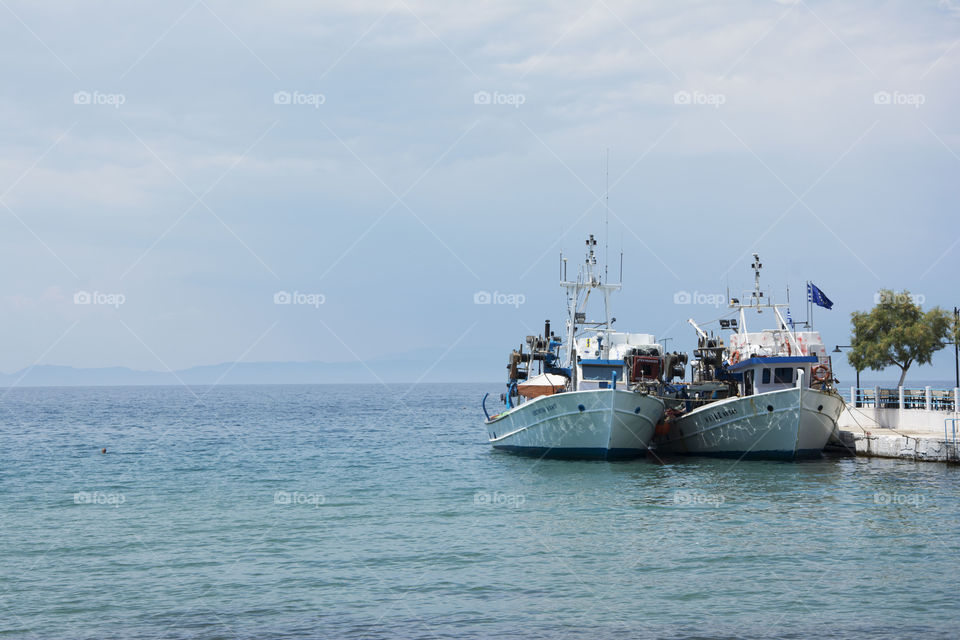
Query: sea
x=380, y=511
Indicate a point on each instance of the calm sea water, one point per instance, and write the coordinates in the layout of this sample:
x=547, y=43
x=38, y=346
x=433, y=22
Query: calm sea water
x=364, y=511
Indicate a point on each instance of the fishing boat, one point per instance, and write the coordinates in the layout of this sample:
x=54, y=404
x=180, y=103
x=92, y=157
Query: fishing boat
x=767, y=394
x=570, y=396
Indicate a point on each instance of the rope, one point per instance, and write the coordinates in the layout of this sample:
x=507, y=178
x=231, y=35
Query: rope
x=851, y=410
x=703, y=400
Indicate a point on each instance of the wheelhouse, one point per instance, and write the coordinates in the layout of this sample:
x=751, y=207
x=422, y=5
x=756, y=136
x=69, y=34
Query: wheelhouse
x=761, y=374
x=600, y=374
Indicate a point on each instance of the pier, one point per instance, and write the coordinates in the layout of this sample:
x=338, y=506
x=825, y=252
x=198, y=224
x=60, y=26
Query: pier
x=911, y=424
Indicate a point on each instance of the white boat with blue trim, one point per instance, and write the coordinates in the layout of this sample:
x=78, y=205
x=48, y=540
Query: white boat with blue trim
x=570, y=397
x=770, y=394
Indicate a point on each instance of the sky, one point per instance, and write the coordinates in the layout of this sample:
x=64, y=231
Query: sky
x=196, y=181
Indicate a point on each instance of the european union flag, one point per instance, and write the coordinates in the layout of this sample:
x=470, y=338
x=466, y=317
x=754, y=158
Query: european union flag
x=817, y=297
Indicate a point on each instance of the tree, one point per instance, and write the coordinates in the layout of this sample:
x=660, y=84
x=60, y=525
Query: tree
x=898, y=332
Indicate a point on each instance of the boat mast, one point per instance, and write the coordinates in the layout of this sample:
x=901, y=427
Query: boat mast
x=588, y=278
x=606, y=222
x=757, y=303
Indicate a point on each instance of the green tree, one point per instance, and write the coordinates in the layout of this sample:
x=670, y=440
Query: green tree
x=898, y=332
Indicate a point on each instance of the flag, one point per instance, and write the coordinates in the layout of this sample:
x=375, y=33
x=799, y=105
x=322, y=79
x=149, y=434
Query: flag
x=817, y=297
x=790, y=320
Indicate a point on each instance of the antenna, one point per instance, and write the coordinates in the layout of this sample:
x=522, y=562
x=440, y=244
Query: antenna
x=606, y=221
x=757, y=294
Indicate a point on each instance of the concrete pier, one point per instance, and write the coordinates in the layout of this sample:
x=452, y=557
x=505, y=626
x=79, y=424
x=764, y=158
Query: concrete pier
x=886, y=443
x=898, y=432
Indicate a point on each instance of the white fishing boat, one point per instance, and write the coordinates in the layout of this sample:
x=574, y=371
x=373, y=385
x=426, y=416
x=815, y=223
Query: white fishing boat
x=570, y=397
x=769, y=394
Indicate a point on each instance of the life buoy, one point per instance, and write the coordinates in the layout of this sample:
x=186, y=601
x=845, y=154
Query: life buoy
x=820, y=373
x=735, y=358
x=789, y=350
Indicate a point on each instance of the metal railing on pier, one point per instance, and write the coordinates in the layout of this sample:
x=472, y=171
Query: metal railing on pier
x=950, y=437
x=925, y=399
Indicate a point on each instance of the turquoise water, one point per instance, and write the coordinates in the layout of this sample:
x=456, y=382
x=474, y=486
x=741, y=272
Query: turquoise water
x=364, y=512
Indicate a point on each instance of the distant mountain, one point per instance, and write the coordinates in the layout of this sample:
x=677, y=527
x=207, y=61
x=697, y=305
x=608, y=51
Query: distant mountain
x=424, y=365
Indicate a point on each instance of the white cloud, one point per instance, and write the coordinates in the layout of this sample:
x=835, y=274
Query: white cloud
x=797, y=88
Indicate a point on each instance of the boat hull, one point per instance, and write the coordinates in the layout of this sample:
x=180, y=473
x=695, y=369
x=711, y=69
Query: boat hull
x=598, y=424
x=786, y=424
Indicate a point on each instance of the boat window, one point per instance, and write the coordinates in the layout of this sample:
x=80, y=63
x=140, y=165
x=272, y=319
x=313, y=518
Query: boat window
x=766, y=376
x=601, y=372
x=783, y=374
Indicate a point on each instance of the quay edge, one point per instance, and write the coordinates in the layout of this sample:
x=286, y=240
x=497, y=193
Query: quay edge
x=908, y=434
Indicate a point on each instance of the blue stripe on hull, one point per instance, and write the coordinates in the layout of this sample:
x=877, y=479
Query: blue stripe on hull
x=752, y=455
x=579, y=453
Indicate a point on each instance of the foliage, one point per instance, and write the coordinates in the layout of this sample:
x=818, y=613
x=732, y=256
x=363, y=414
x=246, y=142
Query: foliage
x=898, y=332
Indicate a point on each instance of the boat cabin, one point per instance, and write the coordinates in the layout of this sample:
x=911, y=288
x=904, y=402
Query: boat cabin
x=603, y=358
x=770, y=360
x=764, y=361
x=761, y=374
x=776, y=343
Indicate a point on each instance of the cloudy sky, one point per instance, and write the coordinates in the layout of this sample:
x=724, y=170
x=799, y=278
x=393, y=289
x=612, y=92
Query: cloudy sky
x=168, y=169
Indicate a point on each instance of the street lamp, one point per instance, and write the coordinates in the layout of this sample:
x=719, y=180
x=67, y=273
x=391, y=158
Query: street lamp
x=836, y=349
x=956, y=347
